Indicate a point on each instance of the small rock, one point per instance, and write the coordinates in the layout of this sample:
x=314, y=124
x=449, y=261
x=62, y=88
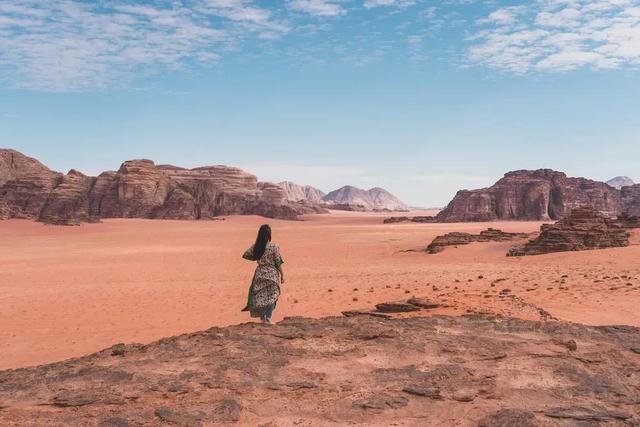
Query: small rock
x=227, y=411
x=464, y=395
x=72, y=399
x=423, y=303
x=396, y=307
x=586, y=414
x=432, y=392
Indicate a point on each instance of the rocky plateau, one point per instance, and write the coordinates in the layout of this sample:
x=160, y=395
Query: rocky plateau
x=440, y=243
x=139, y=189
x=539, y=195
x=471, y=370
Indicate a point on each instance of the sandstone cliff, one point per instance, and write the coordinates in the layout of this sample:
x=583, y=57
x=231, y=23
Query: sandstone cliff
x=537, y=195
x=361, y=370
x=139, y=189
x=375, y=199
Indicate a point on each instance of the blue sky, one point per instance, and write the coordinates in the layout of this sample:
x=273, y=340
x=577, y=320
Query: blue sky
x=420, y=97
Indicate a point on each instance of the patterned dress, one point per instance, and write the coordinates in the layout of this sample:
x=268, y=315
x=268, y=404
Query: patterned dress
x=265, y=286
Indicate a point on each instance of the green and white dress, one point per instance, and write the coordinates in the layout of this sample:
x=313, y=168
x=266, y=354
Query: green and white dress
x=265, y=286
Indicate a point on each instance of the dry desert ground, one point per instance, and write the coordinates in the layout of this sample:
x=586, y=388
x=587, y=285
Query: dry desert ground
x=69, y=291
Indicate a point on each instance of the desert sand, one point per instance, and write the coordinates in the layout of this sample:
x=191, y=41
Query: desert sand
x=69, y=291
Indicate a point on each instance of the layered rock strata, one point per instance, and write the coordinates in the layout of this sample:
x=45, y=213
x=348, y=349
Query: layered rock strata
x=539, y=195
x=584, y=229
x=139, y=189
x=440, y=243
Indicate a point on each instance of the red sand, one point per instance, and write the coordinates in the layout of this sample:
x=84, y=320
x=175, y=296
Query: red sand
x=68, y=291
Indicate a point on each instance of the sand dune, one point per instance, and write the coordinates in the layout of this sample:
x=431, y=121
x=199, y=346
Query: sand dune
x=68, y=291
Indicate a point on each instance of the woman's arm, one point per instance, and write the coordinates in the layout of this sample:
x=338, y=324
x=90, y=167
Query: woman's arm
x=281, y=273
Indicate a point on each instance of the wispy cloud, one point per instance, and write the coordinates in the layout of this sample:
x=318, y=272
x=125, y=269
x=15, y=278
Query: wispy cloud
x=317, y=7
x=559, y=35
x=67, y=45
x=399, y=3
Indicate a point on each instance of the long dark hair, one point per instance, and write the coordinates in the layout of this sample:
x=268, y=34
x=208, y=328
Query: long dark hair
x=264, y=237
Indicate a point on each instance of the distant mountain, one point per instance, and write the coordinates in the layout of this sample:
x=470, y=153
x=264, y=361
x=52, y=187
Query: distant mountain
x=297, y=193
x=621, y=181
x=375, y=199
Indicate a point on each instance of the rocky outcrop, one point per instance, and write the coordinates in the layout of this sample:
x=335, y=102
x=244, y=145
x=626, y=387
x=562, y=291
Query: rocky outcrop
x=139, y=189
x=533, y=195
x=375, y=199
x=25, y=185
x=440, y=243
x=359, y=370
x=584, y=229
x=629, y=221
x=304, y=193
x=416, y=219
x=68, y=203
x=620, y=181
x=631, y=199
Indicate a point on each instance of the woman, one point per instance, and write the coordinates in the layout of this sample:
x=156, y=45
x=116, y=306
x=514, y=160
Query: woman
x=265, y=287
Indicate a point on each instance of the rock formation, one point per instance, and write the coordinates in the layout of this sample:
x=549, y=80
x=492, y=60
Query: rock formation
x=629, y=221
x=631, y=199
x=417, y=219
x=361, y=370
x=620, y=181
x=584, y=229
x=375, y=199
x=536, y=195
x=440, y=243
x=298, y=193
x=139, y=189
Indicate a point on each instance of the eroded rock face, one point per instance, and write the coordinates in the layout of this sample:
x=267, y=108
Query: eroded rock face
x=440, y=243
x=375, y=199
x=360, y=370
x=584, y=229
x=68, y=203
x=631, y=199
x=533, y=195
x=139, y=189
x=25, y=185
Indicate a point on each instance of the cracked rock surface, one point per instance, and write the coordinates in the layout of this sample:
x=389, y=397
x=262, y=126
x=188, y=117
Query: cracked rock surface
x=361, y=370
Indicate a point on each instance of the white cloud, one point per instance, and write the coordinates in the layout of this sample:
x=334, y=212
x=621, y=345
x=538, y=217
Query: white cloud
x=559, y=35
x=317, y=7
x=369, y=4
x=70, y=45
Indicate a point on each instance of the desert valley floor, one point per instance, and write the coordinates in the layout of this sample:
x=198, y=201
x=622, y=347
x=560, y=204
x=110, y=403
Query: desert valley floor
x=69, y=291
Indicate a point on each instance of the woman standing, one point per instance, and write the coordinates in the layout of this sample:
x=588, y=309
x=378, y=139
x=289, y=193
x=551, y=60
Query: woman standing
x=265, y=287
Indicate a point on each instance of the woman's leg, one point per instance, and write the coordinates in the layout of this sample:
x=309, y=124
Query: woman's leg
x=269, y=312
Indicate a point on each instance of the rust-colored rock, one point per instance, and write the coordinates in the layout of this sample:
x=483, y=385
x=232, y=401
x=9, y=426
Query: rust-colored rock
x=631, y=199
x=584, y=229
x=535, y=195
x=629, y=221
x=359, y=370
x=139, y=189
x=440, y=243
x=416, y=219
